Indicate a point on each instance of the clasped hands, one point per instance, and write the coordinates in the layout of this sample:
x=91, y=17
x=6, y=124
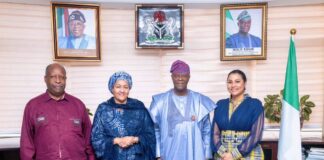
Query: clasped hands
x=125, y=142
x=227, y=156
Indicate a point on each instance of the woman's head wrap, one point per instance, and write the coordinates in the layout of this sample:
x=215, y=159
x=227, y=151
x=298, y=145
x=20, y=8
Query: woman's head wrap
x=121, y=75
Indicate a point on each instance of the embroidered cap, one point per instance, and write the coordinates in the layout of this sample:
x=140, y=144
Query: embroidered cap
x=77, y=15
x=179, y=66
x=121, y=75
x=244, y=16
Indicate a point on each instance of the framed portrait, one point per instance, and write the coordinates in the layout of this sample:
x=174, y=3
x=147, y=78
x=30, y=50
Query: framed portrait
x=243, y=32
x=159, y=26
x=76, y=31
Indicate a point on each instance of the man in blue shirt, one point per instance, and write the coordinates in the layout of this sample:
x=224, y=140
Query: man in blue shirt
x=77, y=38
x=243, y=39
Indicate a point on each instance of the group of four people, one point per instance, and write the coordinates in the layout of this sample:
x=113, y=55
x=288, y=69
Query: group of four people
x=176, y=126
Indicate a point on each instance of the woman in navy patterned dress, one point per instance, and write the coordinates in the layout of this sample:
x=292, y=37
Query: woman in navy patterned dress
x=238, y=123
x=122, y=127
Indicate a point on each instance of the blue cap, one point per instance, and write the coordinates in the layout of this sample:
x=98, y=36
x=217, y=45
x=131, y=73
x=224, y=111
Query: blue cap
x=244, y=16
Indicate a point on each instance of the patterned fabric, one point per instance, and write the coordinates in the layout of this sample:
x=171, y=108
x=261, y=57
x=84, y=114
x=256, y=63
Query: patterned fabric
x=238, y=131
x=231, y=139
x=121, y=75
x=119, y=120
x=232, y=109
x=180, y=67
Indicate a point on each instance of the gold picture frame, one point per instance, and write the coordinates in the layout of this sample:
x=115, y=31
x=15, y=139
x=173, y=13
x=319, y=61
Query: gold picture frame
x=76, y=32
x=243, y=32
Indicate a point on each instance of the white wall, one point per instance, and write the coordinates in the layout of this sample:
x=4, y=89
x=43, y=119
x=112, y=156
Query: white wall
x=26, y=48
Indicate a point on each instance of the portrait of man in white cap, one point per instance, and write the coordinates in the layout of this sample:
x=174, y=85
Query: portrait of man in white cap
x=77, y=39
x=243, y=39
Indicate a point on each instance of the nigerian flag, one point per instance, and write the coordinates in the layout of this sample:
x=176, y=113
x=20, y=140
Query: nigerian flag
x=62, y=16
x=290, y=138
x=231, y=26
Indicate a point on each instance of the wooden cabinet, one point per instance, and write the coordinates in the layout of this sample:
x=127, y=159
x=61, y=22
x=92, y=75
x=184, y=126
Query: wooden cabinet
x=9, y=154
x=270, y=149
x=270, y=146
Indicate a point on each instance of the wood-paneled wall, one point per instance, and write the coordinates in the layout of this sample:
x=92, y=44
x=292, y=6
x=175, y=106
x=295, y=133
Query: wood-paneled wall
x=26, y=48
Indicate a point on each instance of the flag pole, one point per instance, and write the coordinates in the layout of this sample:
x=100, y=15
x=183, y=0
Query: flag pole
x=289, y=145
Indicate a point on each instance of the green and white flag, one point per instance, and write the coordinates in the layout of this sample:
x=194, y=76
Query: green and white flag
x=231, y=26
x=62, y=21
x=290, y=138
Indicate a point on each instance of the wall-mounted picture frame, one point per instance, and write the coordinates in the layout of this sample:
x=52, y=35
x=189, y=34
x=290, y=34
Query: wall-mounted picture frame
x=159, y=26
x=76, y=32
x=243, y=32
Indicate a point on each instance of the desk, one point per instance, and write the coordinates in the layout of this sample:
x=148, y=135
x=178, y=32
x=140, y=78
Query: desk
x=9, y=148
x=270, y=146
x=9, y=154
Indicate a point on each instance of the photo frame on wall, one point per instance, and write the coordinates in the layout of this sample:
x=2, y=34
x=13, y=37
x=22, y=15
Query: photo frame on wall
x=76, y=32
x=243, y=32
x=159, y=26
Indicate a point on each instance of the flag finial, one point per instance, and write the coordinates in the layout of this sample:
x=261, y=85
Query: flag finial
x=293, y=31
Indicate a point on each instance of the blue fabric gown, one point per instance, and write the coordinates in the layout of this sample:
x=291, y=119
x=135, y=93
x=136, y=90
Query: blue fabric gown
x=119, y=120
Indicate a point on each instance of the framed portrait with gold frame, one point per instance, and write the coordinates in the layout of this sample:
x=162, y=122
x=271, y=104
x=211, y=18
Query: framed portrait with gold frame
x=76, y=29
x=243, y=32
x=159, y=26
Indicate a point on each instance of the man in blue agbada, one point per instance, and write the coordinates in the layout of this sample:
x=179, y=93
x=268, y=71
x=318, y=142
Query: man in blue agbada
x=181, y=119
x=122, y=127
x=77, y=38
x=243, y=39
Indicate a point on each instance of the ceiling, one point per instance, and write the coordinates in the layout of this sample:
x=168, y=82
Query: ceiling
x=188, y=3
